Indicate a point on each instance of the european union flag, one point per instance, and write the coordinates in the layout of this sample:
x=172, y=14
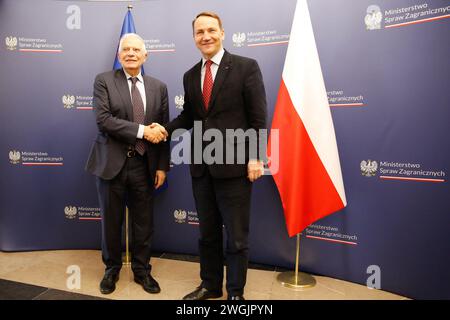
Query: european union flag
x=127, y=27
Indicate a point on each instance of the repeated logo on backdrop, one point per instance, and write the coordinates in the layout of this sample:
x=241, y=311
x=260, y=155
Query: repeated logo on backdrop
x=368, y=168
x=259, y=38
x=31, y=158
x=179, y=101
x=337, y=98
x=68, y=101
x=81, y=213
x=185, y=216
x=400, y=17
x=25, y=44
x=11, y=43
x=330, y=234
x=158, y=45
x=404, y=171
x=238, y=39
x=70, y=212
x=373, y=18
x=77, y=102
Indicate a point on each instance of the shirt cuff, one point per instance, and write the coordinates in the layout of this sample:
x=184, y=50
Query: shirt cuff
x=140, y=133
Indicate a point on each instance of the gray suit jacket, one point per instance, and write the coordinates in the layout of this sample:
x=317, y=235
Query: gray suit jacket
x=116, y=129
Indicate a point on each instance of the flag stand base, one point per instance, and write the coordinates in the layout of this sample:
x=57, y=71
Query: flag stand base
x=303, y=281
x=126, y=260
x=294, y=279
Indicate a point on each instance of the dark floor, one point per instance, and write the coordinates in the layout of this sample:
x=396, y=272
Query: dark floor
x=11, y=290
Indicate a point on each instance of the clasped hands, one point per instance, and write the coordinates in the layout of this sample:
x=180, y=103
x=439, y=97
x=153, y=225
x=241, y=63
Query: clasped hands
x=155, y=133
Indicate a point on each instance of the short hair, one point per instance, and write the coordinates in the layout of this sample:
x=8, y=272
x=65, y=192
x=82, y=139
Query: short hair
x=134, y=35
x=208, y=14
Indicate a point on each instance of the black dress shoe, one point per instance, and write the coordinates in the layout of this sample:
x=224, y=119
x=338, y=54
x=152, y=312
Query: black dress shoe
x=202, y=294
x=148, y=283
x=236, y=298
x=108, y=283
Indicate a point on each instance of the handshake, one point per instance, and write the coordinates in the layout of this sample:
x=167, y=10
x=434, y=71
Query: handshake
x=155, y=133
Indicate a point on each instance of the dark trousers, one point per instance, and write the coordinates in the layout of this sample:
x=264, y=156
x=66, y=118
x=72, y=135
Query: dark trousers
x=223, y=202
x=133, y=187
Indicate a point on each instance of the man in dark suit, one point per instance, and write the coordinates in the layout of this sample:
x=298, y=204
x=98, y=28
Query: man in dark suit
x=223, y=92
x=127, y=165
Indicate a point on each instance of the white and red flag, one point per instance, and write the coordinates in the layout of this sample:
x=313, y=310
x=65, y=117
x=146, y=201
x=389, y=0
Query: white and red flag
x=308, y=174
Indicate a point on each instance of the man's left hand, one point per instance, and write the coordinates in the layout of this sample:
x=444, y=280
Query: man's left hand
x=255, y=169
x=160, y=177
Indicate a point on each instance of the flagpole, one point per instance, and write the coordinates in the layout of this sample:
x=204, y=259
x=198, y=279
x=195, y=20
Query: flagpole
x=126, y=259
x=294, y=279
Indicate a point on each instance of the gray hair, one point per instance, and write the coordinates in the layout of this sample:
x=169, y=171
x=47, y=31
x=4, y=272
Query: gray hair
x=132, y=35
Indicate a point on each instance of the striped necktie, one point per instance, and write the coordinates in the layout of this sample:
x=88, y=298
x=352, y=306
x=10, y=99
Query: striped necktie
x=207, y=84
x=138, y=113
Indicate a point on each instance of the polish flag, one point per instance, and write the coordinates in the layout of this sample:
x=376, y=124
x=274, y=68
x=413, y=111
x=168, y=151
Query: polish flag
x=308, y=174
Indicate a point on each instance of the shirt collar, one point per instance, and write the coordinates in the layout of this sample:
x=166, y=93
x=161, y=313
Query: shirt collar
x=139, y=76
x=216, y=59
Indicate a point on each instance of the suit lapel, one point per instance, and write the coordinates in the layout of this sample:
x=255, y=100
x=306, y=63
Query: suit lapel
x=124, y=92
x=222, y=72
x=150, y=100
x=198, y=95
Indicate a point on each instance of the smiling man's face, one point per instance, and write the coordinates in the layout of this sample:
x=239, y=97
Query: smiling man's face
x=132, y=55
x=208, y=36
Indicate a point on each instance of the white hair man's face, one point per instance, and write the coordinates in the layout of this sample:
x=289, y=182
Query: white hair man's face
x=131, y=55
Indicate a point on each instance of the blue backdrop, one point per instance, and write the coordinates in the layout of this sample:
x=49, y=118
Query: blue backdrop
x=387, y=74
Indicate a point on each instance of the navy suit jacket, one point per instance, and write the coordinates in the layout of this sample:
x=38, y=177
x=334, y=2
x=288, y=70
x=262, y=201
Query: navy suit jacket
x=238, y=101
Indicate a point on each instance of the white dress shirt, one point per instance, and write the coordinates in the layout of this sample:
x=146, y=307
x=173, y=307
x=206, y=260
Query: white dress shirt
x=141, y=88
x=214, y=66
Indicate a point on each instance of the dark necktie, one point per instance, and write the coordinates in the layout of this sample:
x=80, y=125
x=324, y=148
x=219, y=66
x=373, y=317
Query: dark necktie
x=207, y=84
x=138, y=112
